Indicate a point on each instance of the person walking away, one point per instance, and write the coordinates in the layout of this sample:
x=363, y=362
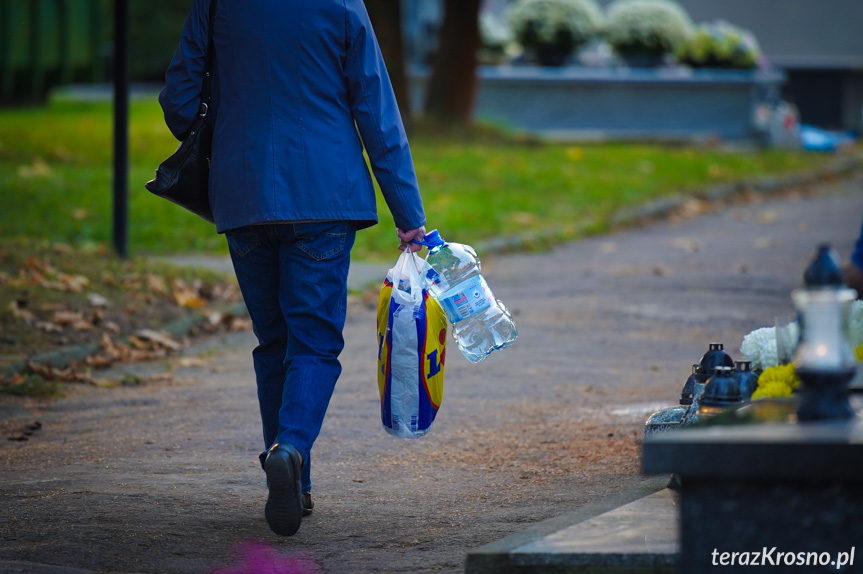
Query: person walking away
x=299, y=90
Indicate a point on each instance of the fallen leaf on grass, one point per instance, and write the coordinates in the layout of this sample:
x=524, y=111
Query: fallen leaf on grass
x=113, y=352
x=156, y=283
x=19, y=312
x=49, y=327
x=692, y=207
x=40, y=266
x=216, y=318
x=64, y=282
x=38, y=169
x=159, y=338
x=111, y=327
x=187, y=296
x=97, y=300
x=66, y=317
x=71, y=374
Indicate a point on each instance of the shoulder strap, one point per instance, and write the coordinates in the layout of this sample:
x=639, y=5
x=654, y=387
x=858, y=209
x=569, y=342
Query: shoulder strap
x=206, y=84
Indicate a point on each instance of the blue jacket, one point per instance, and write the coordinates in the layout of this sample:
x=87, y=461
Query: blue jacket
x=299, y=88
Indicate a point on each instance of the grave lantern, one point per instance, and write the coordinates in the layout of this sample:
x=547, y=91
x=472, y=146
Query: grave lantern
x=824, y=360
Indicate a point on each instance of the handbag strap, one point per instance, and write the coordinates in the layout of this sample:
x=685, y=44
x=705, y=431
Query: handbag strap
x=206, y=84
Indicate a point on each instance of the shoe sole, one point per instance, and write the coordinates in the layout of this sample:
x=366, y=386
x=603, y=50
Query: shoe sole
x=308, y=508
x=284, y=509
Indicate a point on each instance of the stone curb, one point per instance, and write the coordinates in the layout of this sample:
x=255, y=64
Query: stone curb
x=665, y=206
x=61, y=358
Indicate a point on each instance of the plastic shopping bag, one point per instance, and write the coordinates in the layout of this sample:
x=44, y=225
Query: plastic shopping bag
x=411, y=350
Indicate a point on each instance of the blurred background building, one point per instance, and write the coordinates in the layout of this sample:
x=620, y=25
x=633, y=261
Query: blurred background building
x=818, y=44
x=46, y=43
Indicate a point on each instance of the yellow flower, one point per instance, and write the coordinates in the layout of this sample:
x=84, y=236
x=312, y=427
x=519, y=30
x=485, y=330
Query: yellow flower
x=772, y=389
x=858, y=352
x=779, y=381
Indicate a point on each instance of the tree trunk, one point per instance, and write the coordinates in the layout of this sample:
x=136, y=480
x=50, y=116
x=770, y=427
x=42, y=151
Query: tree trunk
x=386, y=17
x=452, y=86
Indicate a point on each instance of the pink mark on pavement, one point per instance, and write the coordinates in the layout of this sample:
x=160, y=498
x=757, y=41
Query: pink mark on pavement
x=260, y=558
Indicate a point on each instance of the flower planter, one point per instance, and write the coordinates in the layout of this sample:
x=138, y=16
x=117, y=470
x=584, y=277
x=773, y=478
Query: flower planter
x=552, y=56
x=643, y=59
x=580, y=103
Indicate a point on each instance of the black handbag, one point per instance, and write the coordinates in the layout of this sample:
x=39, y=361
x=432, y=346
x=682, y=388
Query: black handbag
x=184, y=177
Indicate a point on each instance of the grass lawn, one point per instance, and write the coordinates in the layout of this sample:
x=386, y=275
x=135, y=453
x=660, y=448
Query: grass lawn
x=55, y=181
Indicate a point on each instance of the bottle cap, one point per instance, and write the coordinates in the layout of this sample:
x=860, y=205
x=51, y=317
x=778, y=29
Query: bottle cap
x=432, y=239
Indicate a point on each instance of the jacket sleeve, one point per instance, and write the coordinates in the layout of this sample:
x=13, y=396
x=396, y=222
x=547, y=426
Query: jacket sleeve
x=180, y=98
x=376, y=113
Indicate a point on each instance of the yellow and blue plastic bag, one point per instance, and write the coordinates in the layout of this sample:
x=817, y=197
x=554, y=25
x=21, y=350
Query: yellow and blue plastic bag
x=411, y=350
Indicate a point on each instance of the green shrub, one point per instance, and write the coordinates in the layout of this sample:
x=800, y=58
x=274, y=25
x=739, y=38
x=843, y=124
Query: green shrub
x=720, y=45
x=655, y=27
x=562, y=24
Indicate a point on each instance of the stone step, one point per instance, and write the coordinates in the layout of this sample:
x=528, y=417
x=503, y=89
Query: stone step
x=635, y=531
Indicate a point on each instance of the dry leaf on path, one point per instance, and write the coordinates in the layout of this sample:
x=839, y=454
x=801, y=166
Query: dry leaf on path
x=189, y=362
x=688, y=244
x=764, y=242
x=158, y=337
x=71, y=374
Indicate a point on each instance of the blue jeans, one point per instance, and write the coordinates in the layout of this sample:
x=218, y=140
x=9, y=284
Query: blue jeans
x=293, y=277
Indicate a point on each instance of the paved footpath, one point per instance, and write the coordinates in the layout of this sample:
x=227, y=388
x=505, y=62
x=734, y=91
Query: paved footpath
x=162, y=477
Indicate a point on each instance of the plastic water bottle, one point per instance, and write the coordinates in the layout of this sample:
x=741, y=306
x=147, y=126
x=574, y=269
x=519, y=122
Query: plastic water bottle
x=480, y=322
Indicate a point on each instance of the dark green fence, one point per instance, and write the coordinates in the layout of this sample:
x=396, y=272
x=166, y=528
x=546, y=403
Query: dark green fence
x=44, y=43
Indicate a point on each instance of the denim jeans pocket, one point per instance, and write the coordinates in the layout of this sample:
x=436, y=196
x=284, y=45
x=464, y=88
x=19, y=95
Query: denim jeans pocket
x=240, y=242
x=325, y=239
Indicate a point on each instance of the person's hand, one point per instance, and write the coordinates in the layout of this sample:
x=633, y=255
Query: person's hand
x=405, y=238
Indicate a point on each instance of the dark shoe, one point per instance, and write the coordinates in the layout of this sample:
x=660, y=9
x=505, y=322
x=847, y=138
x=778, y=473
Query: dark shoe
x=284, y=509
x=308, y=503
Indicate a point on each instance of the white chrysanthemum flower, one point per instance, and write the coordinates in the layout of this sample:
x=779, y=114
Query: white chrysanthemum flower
x=572, y=22
x=855, y=324
x=759, y=348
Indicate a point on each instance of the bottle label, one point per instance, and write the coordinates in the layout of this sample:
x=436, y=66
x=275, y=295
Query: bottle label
x=466, y=299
